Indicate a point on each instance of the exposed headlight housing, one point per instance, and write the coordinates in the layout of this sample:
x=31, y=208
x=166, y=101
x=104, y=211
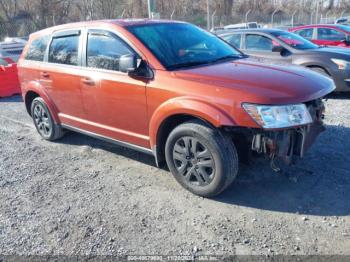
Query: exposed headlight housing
x=342, y=64
x=278, y=116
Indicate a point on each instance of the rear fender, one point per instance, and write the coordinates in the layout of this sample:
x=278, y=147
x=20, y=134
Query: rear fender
x=34, y=86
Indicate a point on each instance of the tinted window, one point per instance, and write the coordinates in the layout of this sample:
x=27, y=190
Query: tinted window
x=37, y=49
x=64, y=50
x=258, y=43
x=344, y=27
x=234, y=40
x=179, y=45
x=330, y=34
x=14, y=52
x=294, y=40
x=306, y=33
x=104, y=51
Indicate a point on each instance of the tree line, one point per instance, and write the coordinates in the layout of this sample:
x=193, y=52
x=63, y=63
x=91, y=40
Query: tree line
x=21, y=17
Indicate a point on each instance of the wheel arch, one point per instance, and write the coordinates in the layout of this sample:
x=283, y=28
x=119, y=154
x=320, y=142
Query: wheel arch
x=34, y=91
x=317, y=65
x=321, y=67
x=28, y=99
x=178, y=111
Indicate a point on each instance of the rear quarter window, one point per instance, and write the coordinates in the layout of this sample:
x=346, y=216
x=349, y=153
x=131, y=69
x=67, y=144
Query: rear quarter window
x=37, y=48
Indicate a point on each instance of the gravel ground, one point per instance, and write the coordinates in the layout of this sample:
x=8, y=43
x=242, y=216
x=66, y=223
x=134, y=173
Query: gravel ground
x=82, y=196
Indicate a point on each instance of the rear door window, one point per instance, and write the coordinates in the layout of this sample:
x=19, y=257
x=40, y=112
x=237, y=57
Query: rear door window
x=64, y=50
x=330, y=34
x=104, y=50
x=37, y=48
x=306, y=33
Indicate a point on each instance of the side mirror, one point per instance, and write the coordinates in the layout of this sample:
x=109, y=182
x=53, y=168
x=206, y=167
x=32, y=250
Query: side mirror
x=127, y=63
x=277, y=48
x=347, y=40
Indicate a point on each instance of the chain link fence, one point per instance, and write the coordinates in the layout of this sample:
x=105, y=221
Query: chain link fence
x=22, y=24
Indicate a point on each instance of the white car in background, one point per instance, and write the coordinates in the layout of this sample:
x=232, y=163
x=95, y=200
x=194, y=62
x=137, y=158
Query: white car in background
x=12, y=48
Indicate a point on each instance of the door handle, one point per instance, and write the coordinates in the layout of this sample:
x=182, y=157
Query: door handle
x=45, y=74
x=88, y=81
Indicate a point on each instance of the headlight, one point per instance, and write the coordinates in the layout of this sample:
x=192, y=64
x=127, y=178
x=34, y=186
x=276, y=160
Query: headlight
x=278, y=116
x=342, y=64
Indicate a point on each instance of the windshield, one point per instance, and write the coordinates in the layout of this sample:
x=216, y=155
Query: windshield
x=178, y=45
x=294, y=40
x=344, y=27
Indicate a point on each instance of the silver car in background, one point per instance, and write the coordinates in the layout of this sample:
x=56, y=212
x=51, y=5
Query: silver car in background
x=11, y=48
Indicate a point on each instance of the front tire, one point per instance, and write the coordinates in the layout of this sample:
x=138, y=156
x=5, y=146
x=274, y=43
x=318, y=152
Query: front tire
x=44, y=122
x=321, y=71
x=201, y=158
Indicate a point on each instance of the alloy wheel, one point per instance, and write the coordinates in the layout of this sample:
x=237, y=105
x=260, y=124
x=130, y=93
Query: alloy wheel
x=42, y=120
x=193, y=161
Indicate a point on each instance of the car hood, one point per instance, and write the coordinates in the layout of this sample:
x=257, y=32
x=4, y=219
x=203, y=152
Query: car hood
x=262, y=83
x=332, y=51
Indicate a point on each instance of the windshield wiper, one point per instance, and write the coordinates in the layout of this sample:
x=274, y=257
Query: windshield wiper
x=195, y=63
x=187, y=64
x=227, y=57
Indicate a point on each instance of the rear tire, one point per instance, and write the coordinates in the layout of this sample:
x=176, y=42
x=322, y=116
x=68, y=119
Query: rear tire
x=201, y=158
x=43, y=121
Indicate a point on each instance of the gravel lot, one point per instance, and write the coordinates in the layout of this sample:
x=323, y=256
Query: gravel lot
x=83, y=196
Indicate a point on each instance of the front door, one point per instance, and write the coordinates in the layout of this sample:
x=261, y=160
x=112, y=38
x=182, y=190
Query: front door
x=330, y=37
x=262, y=47
x=115, y=103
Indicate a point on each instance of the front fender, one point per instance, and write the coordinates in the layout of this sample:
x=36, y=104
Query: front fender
x=315, y=64
x=187, y=106
x=36, y=87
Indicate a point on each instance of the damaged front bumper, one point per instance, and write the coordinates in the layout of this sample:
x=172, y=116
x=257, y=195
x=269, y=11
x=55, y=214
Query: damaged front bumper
x=286, y=144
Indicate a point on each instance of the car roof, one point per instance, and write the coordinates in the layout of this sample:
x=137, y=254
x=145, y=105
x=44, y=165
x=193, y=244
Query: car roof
x=256, y=30
x=118, y=22
x=317, y=25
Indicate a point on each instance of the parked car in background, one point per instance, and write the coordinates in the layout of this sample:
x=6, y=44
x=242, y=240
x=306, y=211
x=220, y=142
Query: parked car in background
x=12, y=48
x=283, y=47
x=10, y=51
x=193, y=101
x=343, y=21
x=242, y=26
x=328, y=34
x=248, y=25
x=9, y=84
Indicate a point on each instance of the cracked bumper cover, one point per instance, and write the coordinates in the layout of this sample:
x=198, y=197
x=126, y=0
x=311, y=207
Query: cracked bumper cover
x=294, y=142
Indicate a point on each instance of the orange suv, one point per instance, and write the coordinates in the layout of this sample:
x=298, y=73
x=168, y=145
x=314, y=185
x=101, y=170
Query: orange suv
x=172, y=90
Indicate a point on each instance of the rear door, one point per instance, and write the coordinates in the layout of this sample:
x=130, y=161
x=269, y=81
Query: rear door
x=330, y=36
x=60, y=75
x=115, y=103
